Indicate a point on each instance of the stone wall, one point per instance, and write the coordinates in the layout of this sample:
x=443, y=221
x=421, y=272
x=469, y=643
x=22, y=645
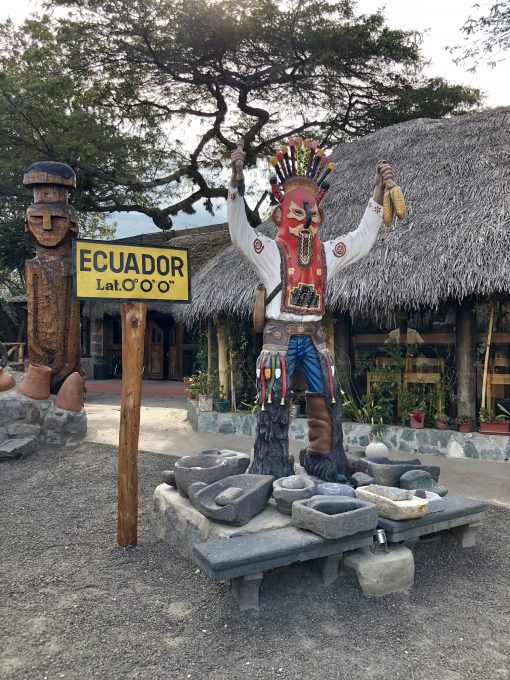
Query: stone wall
x=436, y=442
x=27, y=424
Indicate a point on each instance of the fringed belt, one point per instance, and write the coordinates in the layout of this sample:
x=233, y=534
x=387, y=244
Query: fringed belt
x=277, y=334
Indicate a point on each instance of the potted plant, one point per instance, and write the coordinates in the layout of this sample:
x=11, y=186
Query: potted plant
x=199, y=390
x=491, y=424
x=417, y=417
x=220, y=401
x=465, y=423
x=441, y=420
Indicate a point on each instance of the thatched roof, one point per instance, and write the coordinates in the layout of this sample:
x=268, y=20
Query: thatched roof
x=202, y=245
x=455, y=174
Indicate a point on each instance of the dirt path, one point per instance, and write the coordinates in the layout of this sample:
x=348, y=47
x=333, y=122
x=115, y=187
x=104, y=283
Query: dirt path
x=75, y=606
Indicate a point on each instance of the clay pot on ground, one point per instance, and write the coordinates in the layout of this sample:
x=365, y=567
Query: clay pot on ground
x=441, y=425
x=7, y=382
x=70, y=395
x=36, y=383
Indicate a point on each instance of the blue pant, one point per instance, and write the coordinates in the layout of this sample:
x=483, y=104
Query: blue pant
x=301, y=349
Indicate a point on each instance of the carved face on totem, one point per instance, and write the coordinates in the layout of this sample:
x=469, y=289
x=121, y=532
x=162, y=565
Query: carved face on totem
x=50, y=223
x=298, y=218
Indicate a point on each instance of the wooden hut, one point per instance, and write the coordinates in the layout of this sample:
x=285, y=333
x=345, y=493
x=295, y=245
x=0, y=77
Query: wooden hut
x=431, y=272
x=170, y=347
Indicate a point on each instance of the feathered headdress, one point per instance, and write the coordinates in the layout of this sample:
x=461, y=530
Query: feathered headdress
x=306, y=165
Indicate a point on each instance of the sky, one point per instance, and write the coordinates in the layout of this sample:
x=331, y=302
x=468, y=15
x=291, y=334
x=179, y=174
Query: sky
x=439, y=20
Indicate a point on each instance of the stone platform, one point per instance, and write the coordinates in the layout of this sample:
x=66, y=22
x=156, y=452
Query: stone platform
x=182, y=526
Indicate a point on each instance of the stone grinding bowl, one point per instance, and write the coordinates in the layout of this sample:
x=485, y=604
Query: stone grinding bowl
x=206, y=469
x=285, y=497
x=256, y=488
x=238, y=462
x=387, y=472
x=334, y=516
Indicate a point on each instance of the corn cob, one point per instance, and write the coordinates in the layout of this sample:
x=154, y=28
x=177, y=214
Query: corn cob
x=399, y=205
x=397, y=200
x=387, y=209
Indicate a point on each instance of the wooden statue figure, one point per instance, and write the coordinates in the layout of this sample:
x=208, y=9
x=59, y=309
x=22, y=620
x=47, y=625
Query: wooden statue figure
x=295, y=268
x=53, y=315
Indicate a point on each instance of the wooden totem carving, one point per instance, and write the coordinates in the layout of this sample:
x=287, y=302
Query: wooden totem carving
x=53, y=315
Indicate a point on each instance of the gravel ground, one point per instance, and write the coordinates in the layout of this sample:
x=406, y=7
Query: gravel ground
x=75, y=606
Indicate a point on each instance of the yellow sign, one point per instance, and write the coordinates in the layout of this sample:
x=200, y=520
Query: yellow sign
x=125, y=272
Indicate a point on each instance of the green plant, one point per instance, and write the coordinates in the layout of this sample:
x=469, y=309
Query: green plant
x=464, y=420
x=377, y=431
x=486, y=415
x=441, y=418
x=197, y=384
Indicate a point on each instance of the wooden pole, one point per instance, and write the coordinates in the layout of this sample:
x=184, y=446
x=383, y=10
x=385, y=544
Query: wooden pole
x=133, y=316
x=343, y=327
x=212, y=351
x=484, y=403
x=465, y=351
x=223, y=369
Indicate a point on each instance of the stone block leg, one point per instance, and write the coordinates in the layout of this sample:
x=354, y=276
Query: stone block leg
x=382, y=574
x=245, y=590
x=466, y=535
x=328, y=568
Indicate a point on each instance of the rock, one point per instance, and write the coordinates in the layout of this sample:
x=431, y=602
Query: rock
x=382, y=574
x=168, y=477
x=62, y=427
x=292, y=482
x=334, y=516
x=203, y=468
x=387, y=472
x=436, y=503
x=354, y=461
x=229, y=495
x=361, y=479
x=421, y=479
x=396, y=510
x=256, y=490
x=18, y=448
x=19, y=428
x=390, y=492
x=285, y=495
x=333, y=489
x=376, y=449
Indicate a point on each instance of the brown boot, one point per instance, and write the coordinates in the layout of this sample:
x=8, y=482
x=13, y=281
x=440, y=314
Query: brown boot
x=317, y=459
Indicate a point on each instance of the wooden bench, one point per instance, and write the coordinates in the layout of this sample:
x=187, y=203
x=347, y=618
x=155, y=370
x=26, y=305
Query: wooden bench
x=242, y=560
x=462, y=516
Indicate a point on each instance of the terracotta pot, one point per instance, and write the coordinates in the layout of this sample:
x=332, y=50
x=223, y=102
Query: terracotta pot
x=464, y=427
x=7, y=382
x=494, y=428
x=36, y=383
x=416, y=424
x=441, y=425
x=70, y=395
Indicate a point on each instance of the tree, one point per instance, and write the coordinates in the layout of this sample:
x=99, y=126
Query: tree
x=493, y=31
x=146, y=98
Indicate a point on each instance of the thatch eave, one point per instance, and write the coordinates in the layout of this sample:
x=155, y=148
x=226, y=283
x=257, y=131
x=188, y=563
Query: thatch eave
x=455, y=242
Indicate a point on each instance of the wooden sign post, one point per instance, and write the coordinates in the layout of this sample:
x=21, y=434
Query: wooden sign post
x=132, y=275
x=133, y=317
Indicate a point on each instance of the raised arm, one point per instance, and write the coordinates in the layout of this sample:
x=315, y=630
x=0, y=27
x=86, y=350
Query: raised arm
x=356, y=245
x=257, y=248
